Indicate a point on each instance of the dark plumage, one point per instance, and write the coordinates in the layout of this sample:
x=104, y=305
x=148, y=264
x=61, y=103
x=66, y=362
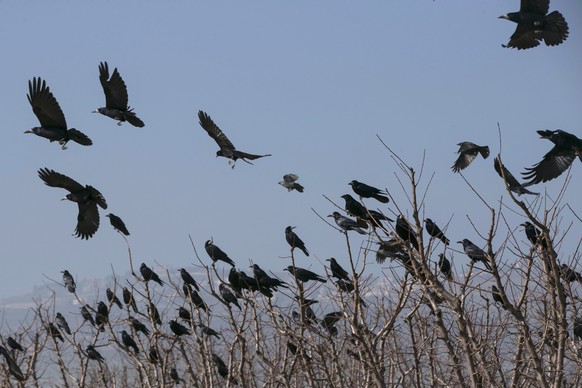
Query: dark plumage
x=112, y=298
x=153, y=355
x=578, y=327
x=354, y=207
x=54, y=332
x=93, y=354
x=86, y=314
x=475, y=253
x=512, y=183
x=445, y=267
x=497, y=296
x=534, y=24
x=289, y=183
x=336, y=270
x=330, y=319
x=138, y=326
x=216, y=253
x=467, y=153
x=304, y=275
x=174, y=376
x=52, y=120
x=188, y=279
x=102, y=316
x=404, y=230
x=154, y=313
x=434, y=231
x=129, y=300
x=264, y=280
x=227, y=149
x=391, y=249
x=69, y=281
x=240, y=280
x=346, y=224
x=178, y=329
x=86, y=197
x=208, y=331
x=184, y=314
x=116, y=99
x=222, y=368
x=129, y=342
x=62, y=323
x=365, y=191
x=228, y=296
x=294, y=240
x=14, y=344
x=117, y=224
x=566, y=148
x=569, y=274
x=148, y=274
x=13, y=367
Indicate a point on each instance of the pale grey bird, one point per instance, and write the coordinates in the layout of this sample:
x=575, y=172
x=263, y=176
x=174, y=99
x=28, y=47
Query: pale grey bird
x=346, y=224
x=289, y=182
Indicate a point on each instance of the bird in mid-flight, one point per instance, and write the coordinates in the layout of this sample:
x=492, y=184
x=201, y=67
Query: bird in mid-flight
x=512, y=183
x=116, y=99
x=289, y=182
x=86, y=197
x=117, y=224
x=53, y=125
x=566, y=148
x=227, y=149
x=535, y=24
x=467, y=153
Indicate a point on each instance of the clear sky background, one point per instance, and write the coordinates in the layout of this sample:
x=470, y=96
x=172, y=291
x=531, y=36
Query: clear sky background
x=310, y=82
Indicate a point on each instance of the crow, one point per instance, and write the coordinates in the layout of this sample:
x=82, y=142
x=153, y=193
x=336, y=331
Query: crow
x=228, y=296
x=86, y=197
x=330, y=319
x=14, y=344
x=195, y=298
x=112, y=298
x=93, y=354
x=69, y=281
x=178, y=329
x=208, y=331
x=62, y=323
x=404, y=230
x=391, y=249
x=117, y=224
x=174, y=376
x=289, y=183
x=578, y=327
x=216, y=253
x=304, y=275
x=434, y=231
x=227, y=149
x=103, y=310
x=346, y=224
x=355, y=208
x=138, y=326
x=497, y=296
x=566, y=148
x=445, y=267
x=222, y=368
x=129, y=300
x=54, y=332
x=184, y=314
x=87, y=315
x=294, y=240
x=53, y=125
x=239, y=280
x=154, y=314
x=148, y=274
x=337, y=271
x=467, y=153
x=12, y=365
x=534, y=24
x=569, y=274
x=153, y=355
x=264, y=280
x=129, y=342
x=512, y=183
x=188, y=279
x=116, y=98
x=365, y=191
x=475, y=253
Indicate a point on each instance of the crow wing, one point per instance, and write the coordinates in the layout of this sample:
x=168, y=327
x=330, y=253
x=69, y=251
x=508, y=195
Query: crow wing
x=114, y=88
x=216, y=133
x=539, y=7
x=551, y=166
x=45, y=105
x=54, y=179
x=87, y=220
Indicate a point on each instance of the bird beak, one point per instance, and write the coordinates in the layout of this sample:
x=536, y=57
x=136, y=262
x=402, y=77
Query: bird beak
x=95, y=111
x=331, y=215
x=459, y=242
x=64, y=199
x=503, y=17
x=28, y=131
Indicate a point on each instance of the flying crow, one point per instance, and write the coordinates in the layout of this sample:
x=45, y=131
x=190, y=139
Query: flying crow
x=289, y=183
x=467, y=153
x=512, y=183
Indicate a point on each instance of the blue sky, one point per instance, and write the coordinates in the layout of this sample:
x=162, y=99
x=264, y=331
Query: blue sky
x=310, y=82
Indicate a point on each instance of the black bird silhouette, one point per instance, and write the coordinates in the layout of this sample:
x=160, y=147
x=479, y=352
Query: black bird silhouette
x=222, y=368
x=87, y=315
x=153, y=355
x=197, y=300
x=62, y=323
x=112, y=298
x=330, y=319
x=534, y=24
x=129, y=300
x=445, y=266
x=294, y=240
x=354, y=207
x=69, y=281
x=227, y=149
x=264, y=280
x=404, y=230
x=208, y=331
x=54, y=332
x=14, y=344
x=240, y=280
x=13, y=367
x=154, y=313
x=304, y=275
x=103, y=310
x=178, y=329
x=391, y=249
x=566, y=148
x=86, y=197
x=366, y=191
x=174, y=376
x=497, y=296
x=512, y=183
x=129, y=342
x=434, y=231
x=289, y=182
x=467, y=153
x=228, y=296
x=138, y=326
x=93, y=354
x=336, y=270
x=148, y=274
x=475, y=253
x=347, y=224
x=578, y=327
x=569, y=274
x=188, y=279
x=53, y=125
x=116, y=99
x=216, y=253
x=184, y=314
x=117, y=224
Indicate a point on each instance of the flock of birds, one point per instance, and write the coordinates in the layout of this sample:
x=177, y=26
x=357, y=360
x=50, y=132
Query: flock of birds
x=534, y=24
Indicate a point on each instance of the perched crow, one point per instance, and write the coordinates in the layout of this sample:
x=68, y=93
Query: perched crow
x=112, y=298
x=13, y=367
x=578, y=327
x=208, y=331
x=69, y=281
x=62, y=323
x=345, y=285
x=184, y=314
x=52, y=120
x=304, y=275
x=296, y=351
x=93, y=354
x=569, y=275
x=129, y=300
x=148, y=274
x=138, y=326
x=129, y=342
x=467, y=153
x=240, y=280
x=289, y=183
x=54, y=332
x=365, y=191
x=434, y=231
x=355, y=208
x=445, y=266
x=178, y=329
x=153, y=355
x=216, y=253
x=534, y=24
x=117, y=224
x=103, y=310
x=87, y=315
x=294, y=240
x=264, y=280
x=14, y=344
x=337, y=271
x=116, y=98
x=404, y=230
x=86, y=197
x=512, y=183
x=174, y=376
x=195, y=298
x=188, y=279
x=222, y=368
x=557, y=160
x=391, y=249
x=228, y=296
x=346, y=224
x=329, y=320
x=227, y=149
x=475, y=253
x=497, y=296
x=154, y=314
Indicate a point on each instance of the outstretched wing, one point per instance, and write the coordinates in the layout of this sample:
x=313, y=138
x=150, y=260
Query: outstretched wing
x=523, y=38
x=87, y=220
x=539, y=7
x=551, y=166
x=97, y=196
x=290, y=178
x=114, y=88
x=54, y=179
x=509, y=178
x=214, y=132
x=45, y=105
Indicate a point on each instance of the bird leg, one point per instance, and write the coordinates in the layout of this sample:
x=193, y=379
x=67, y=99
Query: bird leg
x=63, y=144
x=119, y=123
